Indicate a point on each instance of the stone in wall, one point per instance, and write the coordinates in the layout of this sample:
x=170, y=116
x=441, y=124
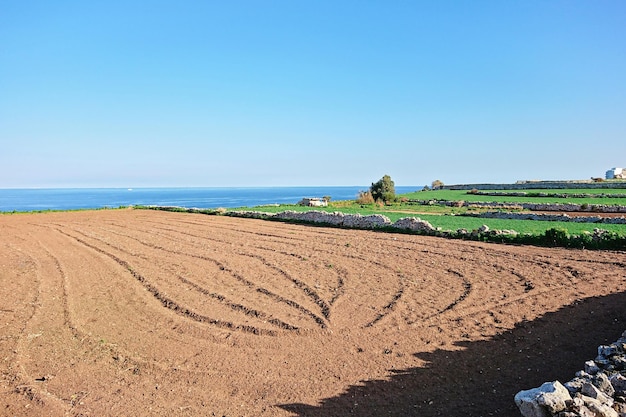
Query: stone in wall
x=414, y=224
x=597, y=391
x=371, y=221
x=547, y=400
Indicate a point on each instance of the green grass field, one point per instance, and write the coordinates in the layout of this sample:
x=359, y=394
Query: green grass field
x=452, y=222
x=458, y=195
x=449, y=220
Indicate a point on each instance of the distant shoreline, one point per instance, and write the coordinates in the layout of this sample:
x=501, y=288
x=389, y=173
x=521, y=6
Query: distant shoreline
x=42, y=199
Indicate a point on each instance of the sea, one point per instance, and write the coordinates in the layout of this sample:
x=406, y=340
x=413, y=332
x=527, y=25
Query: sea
x=41, y=199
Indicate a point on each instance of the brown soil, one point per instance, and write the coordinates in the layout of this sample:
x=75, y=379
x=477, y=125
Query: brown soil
x=131, y=312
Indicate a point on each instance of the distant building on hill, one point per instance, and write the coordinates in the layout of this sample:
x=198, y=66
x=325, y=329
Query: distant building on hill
x=615, y=173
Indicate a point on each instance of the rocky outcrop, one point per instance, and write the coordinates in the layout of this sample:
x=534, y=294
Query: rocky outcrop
x=597, y=391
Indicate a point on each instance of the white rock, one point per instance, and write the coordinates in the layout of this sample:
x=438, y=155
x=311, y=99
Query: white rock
x=548, y=399
x=591, y=368
x=619, y=382
x=592, y=391
x=599, y=409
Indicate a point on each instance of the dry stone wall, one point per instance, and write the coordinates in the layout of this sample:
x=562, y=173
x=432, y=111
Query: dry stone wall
x=599, y=239
x=597, y=391
x=548, y=217
x=555, y=195
x=355, y=221
x=591, y=208
x=534, y=185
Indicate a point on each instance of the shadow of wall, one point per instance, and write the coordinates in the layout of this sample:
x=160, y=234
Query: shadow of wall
x=482, y=378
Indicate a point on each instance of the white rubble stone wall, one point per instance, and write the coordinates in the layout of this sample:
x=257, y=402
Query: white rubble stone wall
x=549, y=217
x=532, y=185
x=598, y=208
x=355, y=221
x=597, y=391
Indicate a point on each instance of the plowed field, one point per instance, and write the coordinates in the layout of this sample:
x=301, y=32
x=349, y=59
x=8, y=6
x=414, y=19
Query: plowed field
x=132, y=312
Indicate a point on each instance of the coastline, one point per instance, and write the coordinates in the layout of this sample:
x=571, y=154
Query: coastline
x=38, y=199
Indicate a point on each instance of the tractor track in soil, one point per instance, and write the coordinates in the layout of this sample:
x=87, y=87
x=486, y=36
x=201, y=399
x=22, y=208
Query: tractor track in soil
x=132, y=312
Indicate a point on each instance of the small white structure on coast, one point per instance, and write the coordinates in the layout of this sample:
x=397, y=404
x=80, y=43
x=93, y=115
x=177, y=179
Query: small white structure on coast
x=615, y=173
x=313, y=202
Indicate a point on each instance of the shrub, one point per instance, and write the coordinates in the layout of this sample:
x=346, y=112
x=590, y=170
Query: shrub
x=384, y=189
x=557, y=237
x=437, y=184
x=365, y=197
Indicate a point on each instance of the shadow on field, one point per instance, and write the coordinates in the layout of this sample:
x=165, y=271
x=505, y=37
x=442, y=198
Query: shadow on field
x=483, y=377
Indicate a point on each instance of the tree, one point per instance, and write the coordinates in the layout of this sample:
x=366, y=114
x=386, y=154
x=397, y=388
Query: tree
x=384, y=189
x=437, y=184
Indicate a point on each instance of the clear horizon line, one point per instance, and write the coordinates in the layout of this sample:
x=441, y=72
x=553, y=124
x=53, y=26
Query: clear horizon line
x=184, y=186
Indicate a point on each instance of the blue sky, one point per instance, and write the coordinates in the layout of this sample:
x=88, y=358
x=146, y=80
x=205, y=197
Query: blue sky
x=270, y=93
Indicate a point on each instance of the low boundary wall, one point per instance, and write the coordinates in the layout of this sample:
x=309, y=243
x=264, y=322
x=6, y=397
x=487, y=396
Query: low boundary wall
x=598, y=390
x=547, y=217
x=534, y=185
x=354, y=221
x=597, y=208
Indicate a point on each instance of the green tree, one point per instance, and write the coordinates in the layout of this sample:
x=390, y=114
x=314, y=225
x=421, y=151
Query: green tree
x=437, y=184
x=384, y=189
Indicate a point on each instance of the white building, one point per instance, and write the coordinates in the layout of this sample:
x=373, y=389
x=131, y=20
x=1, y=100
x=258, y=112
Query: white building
x=615, y=173
x=313, y=202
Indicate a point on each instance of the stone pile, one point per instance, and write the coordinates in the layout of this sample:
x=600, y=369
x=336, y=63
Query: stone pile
x=597, y=391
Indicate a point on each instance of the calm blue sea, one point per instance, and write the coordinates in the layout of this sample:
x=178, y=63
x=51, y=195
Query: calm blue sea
x=84, y=198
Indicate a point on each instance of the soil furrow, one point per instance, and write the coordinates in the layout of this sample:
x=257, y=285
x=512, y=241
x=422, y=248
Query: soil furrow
x=169, y=303
x=321, y=322
x=158, y=313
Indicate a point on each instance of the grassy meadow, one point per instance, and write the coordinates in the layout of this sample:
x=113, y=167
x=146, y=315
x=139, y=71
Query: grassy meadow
x=449, y=218
x=593, y=196
x=431, y=206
